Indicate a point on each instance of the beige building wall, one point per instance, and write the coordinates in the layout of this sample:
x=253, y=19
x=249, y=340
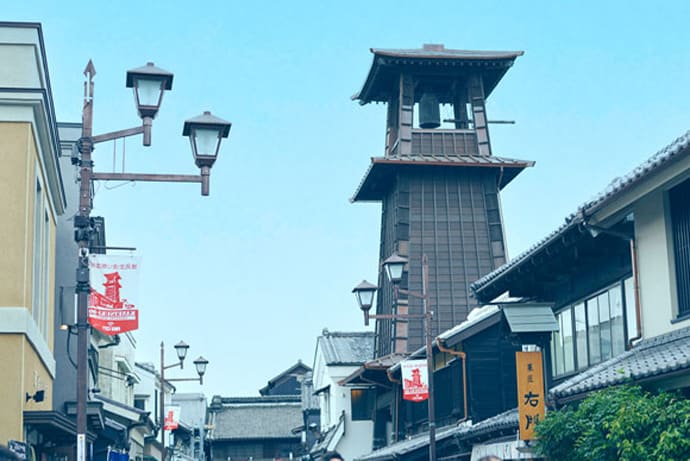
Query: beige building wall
x=28, y=152
x=25, y=347
x=18, y=166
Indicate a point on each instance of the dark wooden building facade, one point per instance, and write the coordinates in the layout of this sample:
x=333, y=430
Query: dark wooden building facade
x=438, y=184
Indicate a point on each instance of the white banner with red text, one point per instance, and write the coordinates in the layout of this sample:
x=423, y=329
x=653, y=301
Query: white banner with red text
x=415, y=380
x=113, y=300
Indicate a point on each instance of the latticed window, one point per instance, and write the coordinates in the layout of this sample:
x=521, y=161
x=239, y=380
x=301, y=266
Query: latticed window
x=680, y=223
x=593, y=329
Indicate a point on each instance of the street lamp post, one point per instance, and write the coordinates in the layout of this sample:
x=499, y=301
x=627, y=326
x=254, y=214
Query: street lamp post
x=200, y=364
x=149, y=84
x=364, y=292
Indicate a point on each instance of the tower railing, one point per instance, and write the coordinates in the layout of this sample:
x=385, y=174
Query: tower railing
x=439, y=142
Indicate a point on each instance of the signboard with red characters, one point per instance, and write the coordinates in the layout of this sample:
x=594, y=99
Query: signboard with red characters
x=114, y=285
x=415, y=380
x=172, y=418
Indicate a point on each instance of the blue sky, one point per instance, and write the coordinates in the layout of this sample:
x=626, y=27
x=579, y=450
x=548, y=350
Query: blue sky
x=250, y=275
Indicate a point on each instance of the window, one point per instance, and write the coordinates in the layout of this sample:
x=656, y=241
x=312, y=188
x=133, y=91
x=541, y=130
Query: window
x=362, y=404
x=38, y=240
x=593, y=330
x=140, y=403
x=326, y=408
x=41, y=261
x=566, y=327
x=590, y=331
x=45, y=273
x=617, y=328
x=680, y=228
x=581, y=345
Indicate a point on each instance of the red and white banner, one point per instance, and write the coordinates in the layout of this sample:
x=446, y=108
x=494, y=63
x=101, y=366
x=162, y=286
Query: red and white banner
x=114, y=289
x=172, y=418
x=415, y=380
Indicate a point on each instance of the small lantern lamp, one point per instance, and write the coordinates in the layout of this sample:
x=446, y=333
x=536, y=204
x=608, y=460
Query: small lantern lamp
x=364, y=292
x=181, y=349
x=149, y=83
x=394, y=266
x=200, y=365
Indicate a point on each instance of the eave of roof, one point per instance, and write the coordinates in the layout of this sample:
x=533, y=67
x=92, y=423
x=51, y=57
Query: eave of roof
x=54, y=425
x=373, y=372
x=672, y=152
x=379, y=175
x=435, y=55
x=446, y=53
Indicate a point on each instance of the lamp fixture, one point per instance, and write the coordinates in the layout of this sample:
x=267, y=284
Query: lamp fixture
x=364, y=292
x=181, y=350
x=394, y=266
x=149, y=83
x=37, y=397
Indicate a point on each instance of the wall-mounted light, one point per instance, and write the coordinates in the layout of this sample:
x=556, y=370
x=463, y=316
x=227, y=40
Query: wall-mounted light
x=37, y=397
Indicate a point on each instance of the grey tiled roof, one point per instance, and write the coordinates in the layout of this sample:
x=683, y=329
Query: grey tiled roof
x=346, y=348
x=255, y=419
x=677, y=149
x=416, y=442
x=653, y=357
x=329, y=442
x=505, y=421
x=502, y=422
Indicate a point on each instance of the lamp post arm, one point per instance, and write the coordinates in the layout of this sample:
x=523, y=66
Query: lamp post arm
x=203, y=178
x=183, y=379
x=147, y=177
x=397, y=316
x=173, y=365
x=414, y=294
x=117, y=134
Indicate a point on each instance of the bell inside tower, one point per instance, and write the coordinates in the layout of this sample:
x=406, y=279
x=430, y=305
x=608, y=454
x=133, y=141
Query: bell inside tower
x=429, y=111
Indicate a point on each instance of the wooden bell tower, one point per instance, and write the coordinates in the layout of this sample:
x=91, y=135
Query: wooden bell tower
x=438, y=181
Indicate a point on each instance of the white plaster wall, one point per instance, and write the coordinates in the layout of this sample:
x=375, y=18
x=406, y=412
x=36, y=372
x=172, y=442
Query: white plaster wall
x=147, y=385
x=19, y=67
x=655, y=266
x=340, y=396
x=20, y=54
x=357, y=440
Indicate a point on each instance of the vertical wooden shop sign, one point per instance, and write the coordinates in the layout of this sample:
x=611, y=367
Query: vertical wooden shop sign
x=530, y=386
